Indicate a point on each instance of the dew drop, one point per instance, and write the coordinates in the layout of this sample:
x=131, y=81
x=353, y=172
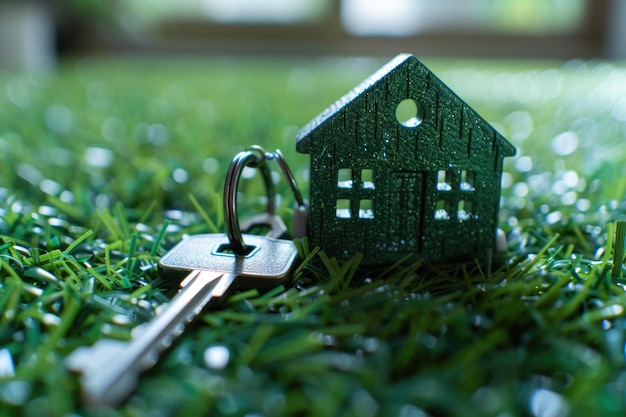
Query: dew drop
x=216, y=357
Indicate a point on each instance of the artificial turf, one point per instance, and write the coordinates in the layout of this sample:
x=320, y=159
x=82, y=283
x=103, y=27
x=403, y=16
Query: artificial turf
x=108, y=163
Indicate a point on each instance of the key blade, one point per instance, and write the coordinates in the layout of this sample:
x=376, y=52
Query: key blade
x=110, y=369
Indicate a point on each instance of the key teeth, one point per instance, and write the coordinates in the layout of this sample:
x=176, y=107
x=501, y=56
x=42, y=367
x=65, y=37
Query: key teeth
x=178, y=330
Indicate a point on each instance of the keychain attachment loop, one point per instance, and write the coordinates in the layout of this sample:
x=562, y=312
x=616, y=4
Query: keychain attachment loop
x=291, y=180
x=254, y=157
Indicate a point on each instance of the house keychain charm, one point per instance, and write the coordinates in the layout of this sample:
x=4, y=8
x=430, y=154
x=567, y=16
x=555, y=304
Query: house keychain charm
x=401, y=165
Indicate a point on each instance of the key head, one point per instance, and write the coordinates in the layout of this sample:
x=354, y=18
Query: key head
x=95, y=364
x=266, y=264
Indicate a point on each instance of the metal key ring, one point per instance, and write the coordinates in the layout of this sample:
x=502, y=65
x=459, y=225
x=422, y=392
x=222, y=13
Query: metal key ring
x=291, y=180
x=254, y=157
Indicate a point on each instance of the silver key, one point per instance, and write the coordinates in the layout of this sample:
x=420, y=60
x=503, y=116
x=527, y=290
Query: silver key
x=110, y=369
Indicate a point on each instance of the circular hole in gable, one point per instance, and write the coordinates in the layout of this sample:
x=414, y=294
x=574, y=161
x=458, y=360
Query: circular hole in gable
x=409, y=113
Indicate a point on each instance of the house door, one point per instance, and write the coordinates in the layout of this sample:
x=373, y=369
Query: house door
x=404, y=225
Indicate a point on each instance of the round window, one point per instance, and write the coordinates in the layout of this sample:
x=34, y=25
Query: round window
x=409, y=113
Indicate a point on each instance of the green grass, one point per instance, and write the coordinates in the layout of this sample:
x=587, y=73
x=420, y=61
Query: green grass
x=107, y=164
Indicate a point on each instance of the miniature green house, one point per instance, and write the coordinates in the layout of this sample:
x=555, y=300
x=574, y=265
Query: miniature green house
x=385, y=183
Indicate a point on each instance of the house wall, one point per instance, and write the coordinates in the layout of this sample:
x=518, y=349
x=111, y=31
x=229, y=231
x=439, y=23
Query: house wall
x=435, y=188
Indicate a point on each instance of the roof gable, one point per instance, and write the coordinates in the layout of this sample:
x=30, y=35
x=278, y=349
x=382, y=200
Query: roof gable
x=403, y=63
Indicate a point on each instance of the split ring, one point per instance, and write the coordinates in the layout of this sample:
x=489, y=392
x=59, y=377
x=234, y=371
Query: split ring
x=254, y=157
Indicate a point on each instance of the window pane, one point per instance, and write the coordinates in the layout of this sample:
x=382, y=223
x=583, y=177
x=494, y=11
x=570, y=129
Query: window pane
x=226, y=11
x=442, y=210
x=344, y=178
x=464, y=210
x=444, y=180
x=468, y=179
x=381, y=17
x=410, y=17
x=367, y=179
x=366, y=209
x=343, y=209
x=264, y=11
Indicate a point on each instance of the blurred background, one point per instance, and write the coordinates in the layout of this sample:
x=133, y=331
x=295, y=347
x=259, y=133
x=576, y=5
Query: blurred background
x=121, y=117
x=34, y=34
x=113, y=104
